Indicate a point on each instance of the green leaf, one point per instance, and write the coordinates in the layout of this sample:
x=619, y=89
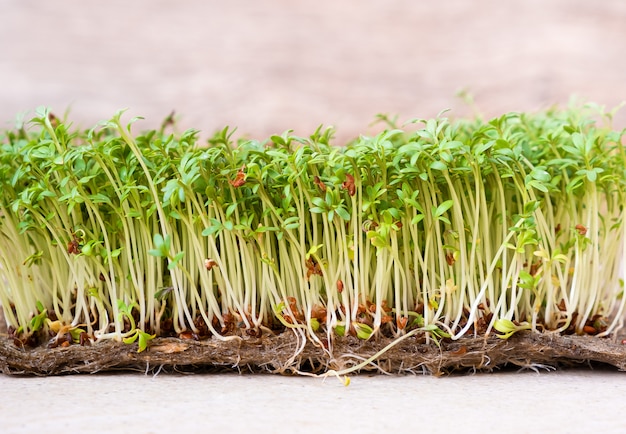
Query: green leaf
x=527, y=281
x=278, y=309
x=436, y=331
x=313, y=250
x=231, y=209
x=144, y=338
x=530, y=207
x=540, y=175
x=363, y=331
x=537, y=185
x=438, y=165
x=162, y=246
x=291, y=223
x=340, y=330
x=377, y=239
x=418, y=321
x=75, y=333
x=123, y=307
x=418, y=218
x=319, y=202
x=212, y=230
x=37, y=321
x=505, y=326
x=442, y=208
x=101, y=198
x=130, y=339
x=175, y=260
x=343, y=213
x=508, y=327
x=155, y=252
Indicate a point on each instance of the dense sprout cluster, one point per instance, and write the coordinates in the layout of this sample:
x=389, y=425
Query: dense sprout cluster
x=446, y=229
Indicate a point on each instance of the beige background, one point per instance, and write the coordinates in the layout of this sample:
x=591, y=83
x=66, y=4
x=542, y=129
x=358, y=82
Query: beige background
x=270, y=66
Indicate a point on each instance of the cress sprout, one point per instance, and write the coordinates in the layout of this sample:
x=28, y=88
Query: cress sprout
x=446, y=229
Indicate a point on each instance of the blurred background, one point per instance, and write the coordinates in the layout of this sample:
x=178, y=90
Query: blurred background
x=265, y=67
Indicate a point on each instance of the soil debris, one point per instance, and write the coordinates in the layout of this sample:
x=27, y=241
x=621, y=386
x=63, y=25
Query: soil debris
x=285, y=354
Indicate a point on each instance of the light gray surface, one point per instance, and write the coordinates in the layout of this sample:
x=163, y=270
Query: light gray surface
x=505, y=402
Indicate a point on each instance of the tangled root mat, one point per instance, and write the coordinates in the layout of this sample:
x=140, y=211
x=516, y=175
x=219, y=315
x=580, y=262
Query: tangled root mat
x=287, y=354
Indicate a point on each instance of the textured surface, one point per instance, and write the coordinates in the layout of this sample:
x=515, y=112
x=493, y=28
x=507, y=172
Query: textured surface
x=550, y=402
x=284, y=354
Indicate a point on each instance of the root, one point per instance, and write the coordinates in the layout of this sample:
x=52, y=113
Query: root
x=289, y=354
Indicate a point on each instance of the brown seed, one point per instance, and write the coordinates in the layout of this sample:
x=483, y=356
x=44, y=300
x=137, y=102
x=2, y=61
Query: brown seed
x=186, y=335
x=385, y=307
x=534, y=268
x=54, y=121
x=319, y=313
x=312, y=268
x=317, y=181
x=240, y=178
x=84, y=339
x=581, y=229
x=385, y=319
x=340, y=286
x=73, y=247
x=293, y=304
x=348, y=184
x=590, y=330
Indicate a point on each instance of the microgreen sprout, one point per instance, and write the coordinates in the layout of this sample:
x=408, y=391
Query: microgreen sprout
x=434, y=229
x=38, y=320
x=508, y=327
